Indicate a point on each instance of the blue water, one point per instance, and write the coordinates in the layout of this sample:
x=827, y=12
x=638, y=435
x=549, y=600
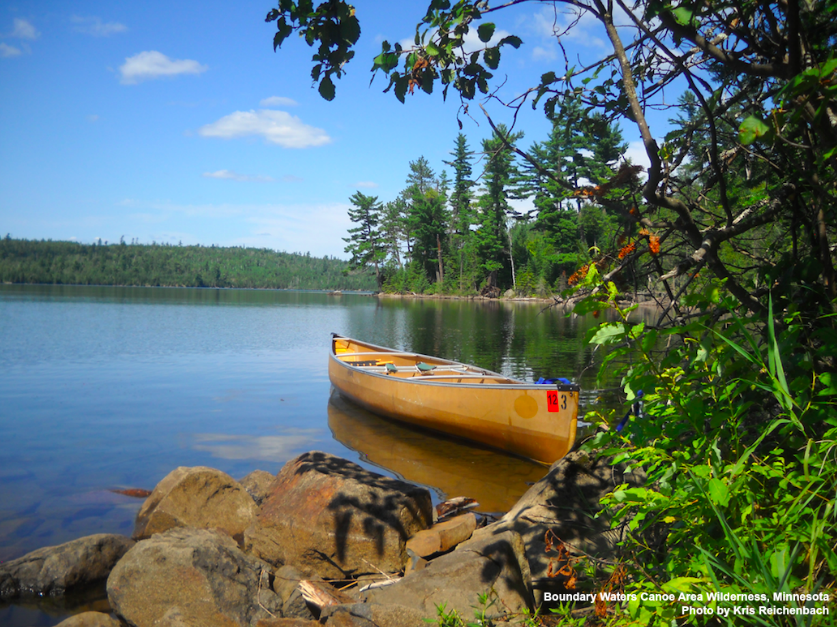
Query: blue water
x=107, y=388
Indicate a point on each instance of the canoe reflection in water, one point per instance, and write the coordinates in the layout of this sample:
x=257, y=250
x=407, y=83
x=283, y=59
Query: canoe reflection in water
x=446, y=466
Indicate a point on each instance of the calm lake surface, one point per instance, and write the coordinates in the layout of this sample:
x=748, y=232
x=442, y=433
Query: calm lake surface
x=107, y=388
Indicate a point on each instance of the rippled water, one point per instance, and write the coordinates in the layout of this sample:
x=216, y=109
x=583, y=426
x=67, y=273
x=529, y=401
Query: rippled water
x=105, y=388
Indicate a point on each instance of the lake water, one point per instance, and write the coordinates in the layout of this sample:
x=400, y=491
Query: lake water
x=107, y=388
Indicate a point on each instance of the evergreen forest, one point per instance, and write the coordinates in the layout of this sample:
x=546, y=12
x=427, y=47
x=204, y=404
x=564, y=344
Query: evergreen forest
x=33, y=261
x=461, y=234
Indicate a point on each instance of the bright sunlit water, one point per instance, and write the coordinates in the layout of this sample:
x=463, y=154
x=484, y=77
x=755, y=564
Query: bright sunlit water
x=105, y=387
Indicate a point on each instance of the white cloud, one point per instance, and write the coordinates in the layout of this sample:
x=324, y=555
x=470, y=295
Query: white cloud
x=318, y=228
x=92, y=118
x=278, y=101
x=366, y=184
x=152, y=64
x=276, y=448
x=7, y=51
x=96, y=27
x=546, y=54
x=470, y=43
x=551, y=23
x=290, y=178
x=276, y=127
x=235, y=176
x=637, y=155
x=24, y=30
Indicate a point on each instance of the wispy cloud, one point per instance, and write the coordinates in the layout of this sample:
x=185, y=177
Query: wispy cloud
x=24, y=29
x=235, y=176
x=276, y=127
x=152, y=64
x=276, y=448
x=637, y=154
x=470, y=43
x=7, y=51
x=544, y=53
x=278, y=101
x=96, y=27
x=290, y=178
x=92, y=118
x=571, y=24
x=317, y=228
x=366, y=184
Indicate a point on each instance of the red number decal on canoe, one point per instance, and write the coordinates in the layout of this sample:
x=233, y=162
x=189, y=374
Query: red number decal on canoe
x=554, y=402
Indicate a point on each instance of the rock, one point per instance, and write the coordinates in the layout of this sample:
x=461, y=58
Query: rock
x=56, y=569
x=496, y=564
x=198, y=497
x=90, y=619
x=371, y=615
x=328, y=516
x=565, y=504
x=442, y=536
x=191, y=577
x=288, y=622
x=257, y=484
x=509, y=294
x=286, y=585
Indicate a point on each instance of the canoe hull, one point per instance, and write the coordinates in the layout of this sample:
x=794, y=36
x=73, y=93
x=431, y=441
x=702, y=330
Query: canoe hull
x=512, y=417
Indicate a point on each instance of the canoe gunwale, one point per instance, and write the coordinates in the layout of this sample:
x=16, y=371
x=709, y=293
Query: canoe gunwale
x=422, y=380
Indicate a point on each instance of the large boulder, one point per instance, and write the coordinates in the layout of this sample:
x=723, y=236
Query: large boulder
x=198, y=497
x=495, y=565
x=257, y=484
x=372, y=615
x=189, y=578
x=328, y=516
x=90, y=619
x=53, y=570
x=563, y=508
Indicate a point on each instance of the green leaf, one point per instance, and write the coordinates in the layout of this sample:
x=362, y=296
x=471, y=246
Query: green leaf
x=718, y=492
x=751, y=129
x=350, y=29
x=684, y=16
x=492, y=57
x=486, y=32
x=608, y=333
x=326, y=88
x=401, y=83
x=511, y=40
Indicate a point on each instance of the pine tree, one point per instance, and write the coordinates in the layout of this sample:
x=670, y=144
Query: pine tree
x=364, y=241
x=501, y=183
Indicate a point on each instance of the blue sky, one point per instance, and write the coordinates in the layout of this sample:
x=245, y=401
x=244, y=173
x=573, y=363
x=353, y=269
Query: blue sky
x=176, y=122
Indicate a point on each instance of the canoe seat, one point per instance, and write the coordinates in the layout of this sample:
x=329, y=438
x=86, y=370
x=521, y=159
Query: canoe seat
x=391, y=368
x=423, y=367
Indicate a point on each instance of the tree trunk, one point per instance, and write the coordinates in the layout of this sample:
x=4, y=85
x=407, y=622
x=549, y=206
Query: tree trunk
x=439, y=253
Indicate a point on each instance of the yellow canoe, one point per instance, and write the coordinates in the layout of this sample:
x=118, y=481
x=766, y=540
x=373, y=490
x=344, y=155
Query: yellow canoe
x=528, y=419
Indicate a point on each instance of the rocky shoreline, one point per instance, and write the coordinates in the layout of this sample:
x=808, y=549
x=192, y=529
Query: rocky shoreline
x=327, y=542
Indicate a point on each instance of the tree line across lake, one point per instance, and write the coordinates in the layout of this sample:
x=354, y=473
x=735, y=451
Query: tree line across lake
x=33, y=261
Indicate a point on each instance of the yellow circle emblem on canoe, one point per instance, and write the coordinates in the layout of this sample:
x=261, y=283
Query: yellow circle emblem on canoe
x=526, y=406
